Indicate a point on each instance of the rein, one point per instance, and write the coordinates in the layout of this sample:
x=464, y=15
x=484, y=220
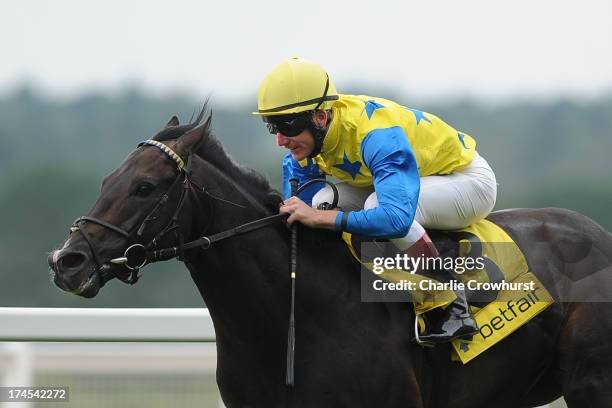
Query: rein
x=136, y=256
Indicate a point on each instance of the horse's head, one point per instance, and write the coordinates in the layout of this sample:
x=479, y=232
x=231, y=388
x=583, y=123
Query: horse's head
x=139, y=203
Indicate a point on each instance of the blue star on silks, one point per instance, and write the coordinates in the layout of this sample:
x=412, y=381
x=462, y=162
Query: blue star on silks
x=349, y=167
x=371, y=106
x=419, y=115
x=464, y=347
x=461, y=137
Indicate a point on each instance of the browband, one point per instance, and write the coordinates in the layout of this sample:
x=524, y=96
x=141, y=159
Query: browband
x=168, y=151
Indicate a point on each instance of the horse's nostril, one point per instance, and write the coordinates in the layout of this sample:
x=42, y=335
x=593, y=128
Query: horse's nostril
x=71, y=260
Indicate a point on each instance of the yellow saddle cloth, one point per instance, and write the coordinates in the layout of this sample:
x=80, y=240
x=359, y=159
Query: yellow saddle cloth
x=513, y=294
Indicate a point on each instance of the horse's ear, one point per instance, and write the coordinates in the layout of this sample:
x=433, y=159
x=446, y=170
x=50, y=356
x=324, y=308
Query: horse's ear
x=174, y=121
x=189, y=142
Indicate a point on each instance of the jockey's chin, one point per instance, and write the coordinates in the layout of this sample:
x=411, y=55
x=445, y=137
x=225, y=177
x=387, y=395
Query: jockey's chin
x=299, y=153
x=299, y=146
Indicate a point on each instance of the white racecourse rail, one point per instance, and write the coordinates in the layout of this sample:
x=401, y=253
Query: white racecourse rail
x=125, y=325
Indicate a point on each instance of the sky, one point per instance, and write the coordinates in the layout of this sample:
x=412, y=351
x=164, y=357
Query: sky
x=223, y=48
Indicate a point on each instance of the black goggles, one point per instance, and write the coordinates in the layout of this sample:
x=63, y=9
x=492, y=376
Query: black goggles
x=288, y=125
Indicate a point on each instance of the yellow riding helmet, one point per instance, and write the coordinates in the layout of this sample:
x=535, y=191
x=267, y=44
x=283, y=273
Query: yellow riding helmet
x=294, y=86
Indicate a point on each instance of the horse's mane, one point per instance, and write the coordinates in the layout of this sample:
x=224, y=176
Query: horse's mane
x=212, y=151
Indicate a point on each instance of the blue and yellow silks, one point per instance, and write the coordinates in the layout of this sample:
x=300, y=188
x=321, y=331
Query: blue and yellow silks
x=377, y=142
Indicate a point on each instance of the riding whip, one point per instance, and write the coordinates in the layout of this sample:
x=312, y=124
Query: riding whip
x=291, y=336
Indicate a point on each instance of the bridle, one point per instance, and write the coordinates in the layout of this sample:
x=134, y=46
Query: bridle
x=134, y=234
x=138, y=255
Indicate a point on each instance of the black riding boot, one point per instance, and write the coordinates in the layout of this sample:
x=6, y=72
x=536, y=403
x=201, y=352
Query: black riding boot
x=457, y=323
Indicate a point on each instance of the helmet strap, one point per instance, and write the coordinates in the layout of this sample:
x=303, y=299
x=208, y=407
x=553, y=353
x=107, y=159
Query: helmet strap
x=318, y=133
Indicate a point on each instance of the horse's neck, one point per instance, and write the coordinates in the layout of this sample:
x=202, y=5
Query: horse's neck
x=221, y=203
x=242, y=279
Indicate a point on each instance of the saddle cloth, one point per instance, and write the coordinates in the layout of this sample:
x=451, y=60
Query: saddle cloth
x=503, y=294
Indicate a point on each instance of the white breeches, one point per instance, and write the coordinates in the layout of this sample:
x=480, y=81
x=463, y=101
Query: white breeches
x=446, y=202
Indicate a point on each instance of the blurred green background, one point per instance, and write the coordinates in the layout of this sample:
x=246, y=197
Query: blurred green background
x=55, y=152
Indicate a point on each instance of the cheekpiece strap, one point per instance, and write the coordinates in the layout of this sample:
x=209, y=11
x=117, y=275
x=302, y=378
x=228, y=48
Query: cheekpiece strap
x=167, y=151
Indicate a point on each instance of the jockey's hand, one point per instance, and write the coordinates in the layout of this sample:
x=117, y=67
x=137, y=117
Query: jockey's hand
x=305, y=214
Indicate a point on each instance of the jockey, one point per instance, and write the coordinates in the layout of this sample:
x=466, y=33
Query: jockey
x=402, y=170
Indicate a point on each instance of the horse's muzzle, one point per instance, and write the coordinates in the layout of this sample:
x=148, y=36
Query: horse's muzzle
x=72, y=272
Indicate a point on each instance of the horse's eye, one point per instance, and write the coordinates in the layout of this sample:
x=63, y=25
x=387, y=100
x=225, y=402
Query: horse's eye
x=144, y=189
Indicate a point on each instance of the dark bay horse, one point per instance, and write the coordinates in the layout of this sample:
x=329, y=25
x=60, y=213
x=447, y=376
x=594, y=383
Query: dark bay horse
x=348, y=353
